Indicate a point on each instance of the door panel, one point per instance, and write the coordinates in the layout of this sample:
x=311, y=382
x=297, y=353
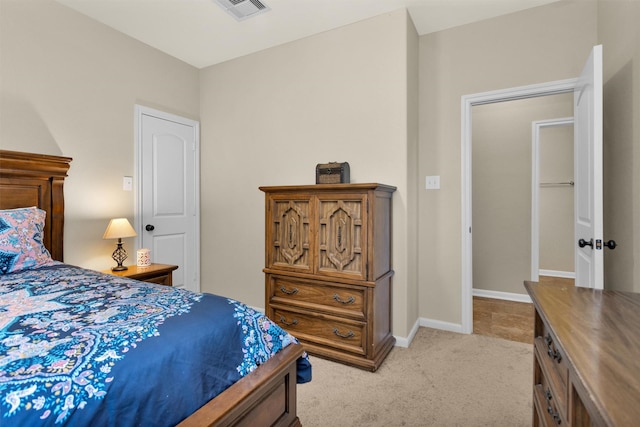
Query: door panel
x=168, y=165
x=168, y=194
x=171, y=249
x=588, y=172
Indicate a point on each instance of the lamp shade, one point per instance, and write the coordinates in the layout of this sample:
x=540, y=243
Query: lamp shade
x=119, y=228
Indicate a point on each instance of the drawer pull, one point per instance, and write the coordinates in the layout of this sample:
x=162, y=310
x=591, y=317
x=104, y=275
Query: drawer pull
x=554, y=415
x=349, y=334
x=284, y=321
x=554, y=354
x=350, y=300
x=287, y=291
x=548, y=395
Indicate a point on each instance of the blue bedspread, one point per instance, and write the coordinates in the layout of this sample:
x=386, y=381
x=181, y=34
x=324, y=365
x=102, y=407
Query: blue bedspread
x=81, y=348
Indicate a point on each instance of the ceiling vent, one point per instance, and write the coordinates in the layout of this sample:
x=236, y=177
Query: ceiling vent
x=243, y=9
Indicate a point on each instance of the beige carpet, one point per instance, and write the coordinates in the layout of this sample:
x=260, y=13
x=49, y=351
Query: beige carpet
x=443, y=379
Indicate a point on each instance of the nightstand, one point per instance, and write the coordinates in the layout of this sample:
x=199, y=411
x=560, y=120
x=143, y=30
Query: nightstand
x=155, y=273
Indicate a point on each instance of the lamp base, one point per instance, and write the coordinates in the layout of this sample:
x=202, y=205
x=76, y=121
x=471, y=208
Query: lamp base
x=119, y=255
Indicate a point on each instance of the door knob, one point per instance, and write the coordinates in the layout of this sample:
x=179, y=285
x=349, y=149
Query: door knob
x=611, y=244
x=582, y=243
x=149, y=227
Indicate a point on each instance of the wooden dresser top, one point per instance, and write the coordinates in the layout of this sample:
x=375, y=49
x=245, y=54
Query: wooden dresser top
x=328, y=187
x=600, y=333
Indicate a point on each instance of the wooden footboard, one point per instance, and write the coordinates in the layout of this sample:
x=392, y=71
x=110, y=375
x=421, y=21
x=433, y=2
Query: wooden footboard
x=265, y=397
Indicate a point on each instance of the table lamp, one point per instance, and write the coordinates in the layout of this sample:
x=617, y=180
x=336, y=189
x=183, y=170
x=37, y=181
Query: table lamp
x=119, y=228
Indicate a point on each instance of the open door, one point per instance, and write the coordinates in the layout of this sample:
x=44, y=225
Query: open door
x=588, y=173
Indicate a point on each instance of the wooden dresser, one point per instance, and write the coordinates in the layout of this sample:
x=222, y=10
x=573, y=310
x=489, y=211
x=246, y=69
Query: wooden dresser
x=586, y=356
x=328, y=268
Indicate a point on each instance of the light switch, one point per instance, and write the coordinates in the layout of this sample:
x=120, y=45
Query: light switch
x=127, y=183
x=433, y=182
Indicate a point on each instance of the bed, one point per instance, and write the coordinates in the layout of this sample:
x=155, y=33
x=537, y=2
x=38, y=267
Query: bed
x=78, y=347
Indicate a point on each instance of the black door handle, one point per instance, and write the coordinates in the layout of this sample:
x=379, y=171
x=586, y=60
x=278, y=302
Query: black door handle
x=582, y=243
x=611, y=244
x=149, y=227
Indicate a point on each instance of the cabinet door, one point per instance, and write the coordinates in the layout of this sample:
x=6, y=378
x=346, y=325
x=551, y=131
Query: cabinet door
x=289, y=233
x=342, y=235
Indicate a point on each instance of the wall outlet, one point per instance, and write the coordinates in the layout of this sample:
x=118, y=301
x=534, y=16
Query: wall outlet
x=432, y=182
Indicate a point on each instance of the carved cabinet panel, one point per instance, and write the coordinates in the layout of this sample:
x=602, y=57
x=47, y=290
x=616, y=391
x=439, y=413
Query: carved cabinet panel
x=342, y=236
x=290, y=234
x=328, y=268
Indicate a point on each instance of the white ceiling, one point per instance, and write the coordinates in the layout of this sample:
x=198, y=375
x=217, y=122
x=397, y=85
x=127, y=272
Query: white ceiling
x=200, y=33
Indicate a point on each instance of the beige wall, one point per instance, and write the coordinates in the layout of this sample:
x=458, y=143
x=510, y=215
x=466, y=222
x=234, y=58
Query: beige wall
x=619, y=34
x=502, y=171
x=68, y=86
x=534, y=46
x=270, y=117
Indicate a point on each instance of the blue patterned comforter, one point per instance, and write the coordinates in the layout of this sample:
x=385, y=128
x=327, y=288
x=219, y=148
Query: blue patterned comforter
x=82, y=348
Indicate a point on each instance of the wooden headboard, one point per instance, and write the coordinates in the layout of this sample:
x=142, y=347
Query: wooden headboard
x=36, y=180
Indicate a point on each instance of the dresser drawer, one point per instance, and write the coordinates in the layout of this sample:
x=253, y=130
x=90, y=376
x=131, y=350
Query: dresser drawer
x=341, y=300
x=161, y=280
x=547, y=407
x=550, y=394
x=327, y=331
x=552, y=357
x=552, y=380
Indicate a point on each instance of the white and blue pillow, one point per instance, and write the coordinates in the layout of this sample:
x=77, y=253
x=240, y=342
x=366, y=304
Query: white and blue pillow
x=22, y=240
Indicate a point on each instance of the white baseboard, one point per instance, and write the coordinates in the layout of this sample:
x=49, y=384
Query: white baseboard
x=439, y=324
x=556, y=273
x=507, y=296
x=405, y=342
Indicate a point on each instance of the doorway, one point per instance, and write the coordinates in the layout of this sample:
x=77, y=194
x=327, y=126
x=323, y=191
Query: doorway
x=587, y=89
x=523, y=171
x=552, y=199
x=502, y=192
x=468, y=102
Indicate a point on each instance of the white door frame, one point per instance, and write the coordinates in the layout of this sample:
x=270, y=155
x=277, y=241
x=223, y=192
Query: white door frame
x=468, y=101
x=536, y=127
x=139, y=112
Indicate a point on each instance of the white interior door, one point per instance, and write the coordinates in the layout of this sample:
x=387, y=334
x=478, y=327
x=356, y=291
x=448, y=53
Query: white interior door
x=588, y=173
x=168, y=211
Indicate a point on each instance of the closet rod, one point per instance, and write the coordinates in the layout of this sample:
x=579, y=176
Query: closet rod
x=551, y=184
